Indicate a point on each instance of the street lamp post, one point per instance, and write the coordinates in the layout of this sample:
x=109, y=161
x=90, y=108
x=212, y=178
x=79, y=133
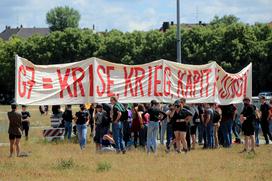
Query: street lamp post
x=178, y=33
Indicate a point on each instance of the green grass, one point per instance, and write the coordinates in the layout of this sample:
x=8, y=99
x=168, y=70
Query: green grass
x=65, y=161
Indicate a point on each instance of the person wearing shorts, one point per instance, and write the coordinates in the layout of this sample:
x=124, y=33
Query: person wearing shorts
x=14, y=130
x=247, y=119
x=180, y=118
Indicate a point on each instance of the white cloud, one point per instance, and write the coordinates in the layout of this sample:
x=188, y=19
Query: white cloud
x=129, y=15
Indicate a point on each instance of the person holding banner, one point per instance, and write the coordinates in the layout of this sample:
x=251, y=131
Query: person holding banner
x=82, y=120
x=153, y=126
x=119, y=115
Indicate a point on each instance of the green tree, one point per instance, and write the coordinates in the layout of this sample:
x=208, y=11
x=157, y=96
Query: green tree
x=61, y=18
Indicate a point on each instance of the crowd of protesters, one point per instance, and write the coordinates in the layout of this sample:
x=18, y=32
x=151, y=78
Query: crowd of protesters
x=179, y=126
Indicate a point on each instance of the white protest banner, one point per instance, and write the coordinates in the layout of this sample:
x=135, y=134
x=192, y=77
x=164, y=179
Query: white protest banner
x=95, y=80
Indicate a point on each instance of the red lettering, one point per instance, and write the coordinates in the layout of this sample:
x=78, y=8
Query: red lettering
x=138, y=80
x=157, y=81
x=100, y=93
x=180, y=83
x=109, y=81
x=128, y=81
x=207, y=72
x=91, y=80
x=189, y=85
x=196, y=80
x=78, y=80
x=149, y=80
x=31, y=82
x=167, y=82
x=20, y=71
x=63, y=82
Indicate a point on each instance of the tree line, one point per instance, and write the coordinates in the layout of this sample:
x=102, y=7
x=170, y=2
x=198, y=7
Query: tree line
x=226, y=40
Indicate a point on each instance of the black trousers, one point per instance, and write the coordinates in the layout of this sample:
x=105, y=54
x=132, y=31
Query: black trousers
x=25, y=127
x=266, y=132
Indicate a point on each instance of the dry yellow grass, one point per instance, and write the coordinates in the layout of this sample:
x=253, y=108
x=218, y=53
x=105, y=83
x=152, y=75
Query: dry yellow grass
x=45, y=163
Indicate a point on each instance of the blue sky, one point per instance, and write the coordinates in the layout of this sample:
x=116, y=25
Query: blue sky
x=129, y=15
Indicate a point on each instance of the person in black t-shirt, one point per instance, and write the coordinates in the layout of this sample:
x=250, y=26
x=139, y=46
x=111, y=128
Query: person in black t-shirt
x=180, y=118
x=82, y=121
x=25, y=121
x=91, y=112
x=153, y=127
x=265, y=119
x=247, y=119
x=68, y=118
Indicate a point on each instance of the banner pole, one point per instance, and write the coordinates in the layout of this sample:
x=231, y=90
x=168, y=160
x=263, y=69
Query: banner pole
x=16, y=80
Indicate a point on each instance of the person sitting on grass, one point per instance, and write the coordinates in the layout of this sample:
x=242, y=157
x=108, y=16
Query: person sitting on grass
x=15, y=132
x=108, y=144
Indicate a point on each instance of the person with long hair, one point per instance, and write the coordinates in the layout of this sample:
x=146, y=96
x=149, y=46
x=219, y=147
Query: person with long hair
x=137, y=122
x=153, y=127
x=180, y=118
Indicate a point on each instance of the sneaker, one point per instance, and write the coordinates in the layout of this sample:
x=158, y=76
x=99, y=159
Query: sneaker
x=167, y=151
x=124, y=151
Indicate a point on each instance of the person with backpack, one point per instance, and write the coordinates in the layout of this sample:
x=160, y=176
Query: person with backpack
x=194, y=125
x=119, y=115
x=102, y=125
x=216, y=124
x=208, y=123
x=68, y=118
x=153, y=126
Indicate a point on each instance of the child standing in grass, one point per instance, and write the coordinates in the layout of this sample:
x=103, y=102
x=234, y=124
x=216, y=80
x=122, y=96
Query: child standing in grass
x=25, y=120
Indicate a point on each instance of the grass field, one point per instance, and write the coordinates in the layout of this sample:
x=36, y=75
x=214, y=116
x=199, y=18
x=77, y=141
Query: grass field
x=64, y=161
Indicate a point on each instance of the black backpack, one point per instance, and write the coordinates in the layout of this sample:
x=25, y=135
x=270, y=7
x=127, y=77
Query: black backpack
x=216, y=117
x=124, y=112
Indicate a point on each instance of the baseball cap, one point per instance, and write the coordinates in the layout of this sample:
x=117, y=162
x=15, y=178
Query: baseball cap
x=177, y=102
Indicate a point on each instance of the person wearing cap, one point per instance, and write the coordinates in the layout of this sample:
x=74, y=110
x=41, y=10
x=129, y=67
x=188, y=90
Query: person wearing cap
x=153, y=126
x=102, y=125
x=25, y=121
x=14, y=130
x=247, y=118
x=82, y=121
x=180, y=117
x=265, y=119
x=68, y=118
